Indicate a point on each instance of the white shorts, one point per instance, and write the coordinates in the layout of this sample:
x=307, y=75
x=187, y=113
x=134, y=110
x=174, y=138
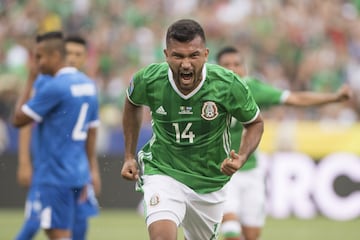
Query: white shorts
x=200, y=215
x=246, y=197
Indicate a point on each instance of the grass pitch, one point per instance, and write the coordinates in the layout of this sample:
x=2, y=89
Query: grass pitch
x=114, y=224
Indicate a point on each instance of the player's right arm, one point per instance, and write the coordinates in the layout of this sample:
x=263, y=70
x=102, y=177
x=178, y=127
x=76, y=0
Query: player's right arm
x=24, y=169
x=132, y=118
x=19, y=118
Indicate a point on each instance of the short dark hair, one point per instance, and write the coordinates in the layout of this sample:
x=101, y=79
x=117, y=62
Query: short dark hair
x=55, y=41
x=49, y=36
x=76, y=39
x=225, y=50
x=184, y=30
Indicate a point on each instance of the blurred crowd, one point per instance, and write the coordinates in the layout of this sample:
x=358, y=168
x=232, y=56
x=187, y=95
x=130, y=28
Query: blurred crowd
x=293, y=44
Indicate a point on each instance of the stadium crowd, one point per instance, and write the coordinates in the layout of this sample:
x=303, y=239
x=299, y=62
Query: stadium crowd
x=293, y=44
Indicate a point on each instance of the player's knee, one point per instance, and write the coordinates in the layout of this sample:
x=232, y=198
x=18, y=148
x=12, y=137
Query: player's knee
x=231, y=230
x=252, y=235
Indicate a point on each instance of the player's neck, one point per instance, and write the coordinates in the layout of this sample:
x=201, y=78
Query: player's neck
x=58, y=68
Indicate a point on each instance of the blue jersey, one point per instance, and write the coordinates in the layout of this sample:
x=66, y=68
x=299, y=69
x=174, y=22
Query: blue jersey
x=40, y=80
x=65, y=106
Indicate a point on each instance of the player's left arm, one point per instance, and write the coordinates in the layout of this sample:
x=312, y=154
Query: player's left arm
x=244, y=108
x=250, y=140
x=92, y=158
x=307, y=98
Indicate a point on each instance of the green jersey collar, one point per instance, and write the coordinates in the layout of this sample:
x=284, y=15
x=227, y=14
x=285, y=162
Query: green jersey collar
x=172, y=82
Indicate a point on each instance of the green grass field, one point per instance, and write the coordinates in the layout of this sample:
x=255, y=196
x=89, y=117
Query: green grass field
x=115, y=224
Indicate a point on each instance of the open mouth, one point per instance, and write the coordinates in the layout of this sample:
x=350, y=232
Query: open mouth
x=186, y=76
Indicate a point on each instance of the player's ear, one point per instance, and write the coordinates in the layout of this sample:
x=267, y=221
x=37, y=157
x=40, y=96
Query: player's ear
x=166, y=53
x=206, y=53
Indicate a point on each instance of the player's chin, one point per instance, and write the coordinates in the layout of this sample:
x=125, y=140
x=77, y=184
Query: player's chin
x=187, y=83
x=44, y=71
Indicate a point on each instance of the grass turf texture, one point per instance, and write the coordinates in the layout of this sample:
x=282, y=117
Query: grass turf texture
x=115, y=224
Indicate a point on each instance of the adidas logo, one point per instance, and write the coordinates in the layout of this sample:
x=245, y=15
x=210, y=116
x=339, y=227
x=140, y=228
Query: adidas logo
x=161, y=110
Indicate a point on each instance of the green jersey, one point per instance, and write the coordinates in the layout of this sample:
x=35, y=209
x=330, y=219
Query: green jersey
x=265, y=96
x=191, y=133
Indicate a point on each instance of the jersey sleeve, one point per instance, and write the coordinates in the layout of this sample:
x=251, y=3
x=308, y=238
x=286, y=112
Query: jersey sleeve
x=137, y=88
x=266, y=95
x=242, y=104
x=39, y=81
x=46, y=97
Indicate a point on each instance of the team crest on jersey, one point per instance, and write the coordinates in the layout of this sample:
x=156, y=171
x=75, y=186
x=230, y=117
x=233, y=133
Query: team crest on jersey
x=154, y=200
x=209, y=110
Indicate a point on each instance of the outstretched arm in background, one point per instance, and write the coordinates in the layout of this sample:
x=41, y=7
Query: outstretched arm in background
x=304, y=99
x=132, y=119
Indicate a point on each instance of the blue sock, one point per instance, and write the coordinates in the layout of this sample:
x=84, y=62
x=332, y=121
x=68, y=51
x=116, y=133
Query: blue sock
x=29, y=229
x=80, y=229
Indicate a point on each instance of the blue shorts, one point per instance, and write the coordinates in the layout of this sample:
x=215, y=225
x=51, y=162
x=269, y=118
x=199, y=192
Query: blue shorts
x=58, y=206
x=33, y=204
x=89, y=207
x=32, y=215
x=33, y=209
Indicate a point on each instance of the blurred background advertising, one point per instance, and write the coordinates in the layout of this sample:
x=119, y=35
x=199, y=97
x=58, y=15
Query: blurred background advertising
x=311, y=156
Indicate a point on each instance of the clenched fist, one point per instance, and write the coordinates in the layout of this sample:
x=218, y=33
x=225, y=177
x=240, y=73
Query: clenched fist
x=230, y=165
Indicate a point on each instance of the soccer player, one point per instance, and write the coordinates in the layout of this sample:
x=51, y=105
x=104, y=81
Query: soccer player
x=76, y=51
x=246, y=189
x=188, y=160
x=66, y=109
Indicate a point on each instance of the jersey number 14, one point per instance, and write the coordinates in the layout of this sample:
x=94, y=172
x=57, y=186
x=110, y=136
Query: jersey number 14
x=186, y=134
